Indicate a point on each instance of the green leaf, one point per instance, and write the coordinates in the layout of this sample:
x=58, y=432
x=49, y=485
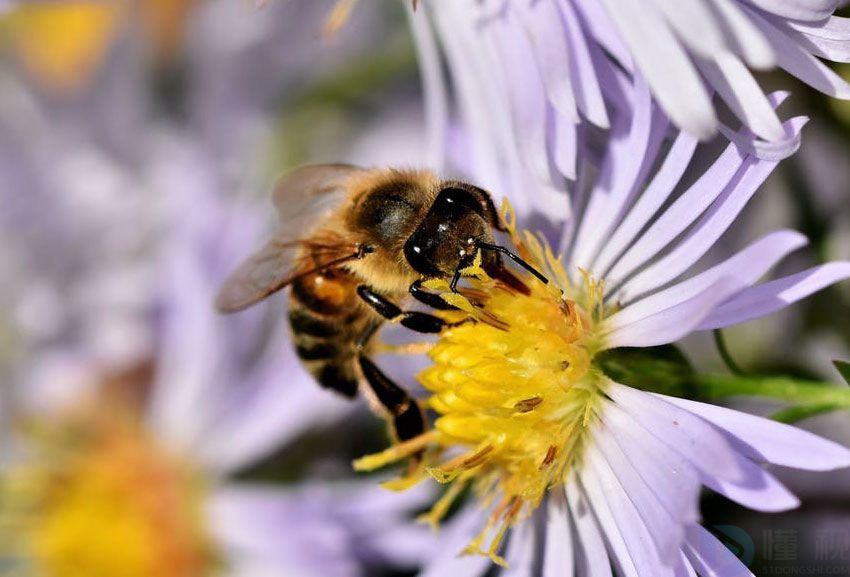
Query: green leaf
x=843, y=368
x=661, y=369
x=799, y=412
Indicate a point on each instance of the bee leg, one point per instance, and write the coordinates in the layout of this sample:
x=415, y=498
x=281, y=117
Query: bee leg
x=433, y=300
x=406, y=417
x=414, y=320
x=407, y=421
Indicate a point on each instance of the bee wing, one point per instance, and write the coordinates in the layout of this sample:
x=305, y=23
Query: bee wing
x=263, y=273
x=307, y=195
x=303, y=198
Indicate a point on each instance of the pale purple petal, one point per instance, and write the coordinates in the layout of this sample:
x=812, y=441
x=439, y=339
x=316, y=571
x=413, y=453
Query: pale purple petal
x=736, y=85
x=673, y=480
x=563, y=134
x=828, y=39
x=525, y=92
x=617, y=176
x=591, y=555
x=629, y=543
x=520, y=551
x=669, y=324
x=455, y=535
x=684, y=568
x=588, y=93
x=684, y=211
x=666, y=531
x=186, y=380
x=746, y=267
x=775, y=295
x=546, y=34
x=766, y=440
x=744, y=36
x=758, y=490
x=766, y=150
x=559, y=559
x=791, y=57
x=269, y=408
x=693, y=438
x=710, y=557
x=711, y=225
x=666, y=66
x=482, y=108
x=618, y=550
x=433, y=87
x=694, y=22
x=308, y=531
x=811, y=10
x=603, y=31
x=650, y=200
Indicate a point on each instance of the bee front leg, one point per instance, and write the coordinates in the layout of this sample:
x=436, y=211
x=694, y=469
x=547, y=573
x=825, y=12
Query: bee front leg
x=414, y=320
x=433, y=300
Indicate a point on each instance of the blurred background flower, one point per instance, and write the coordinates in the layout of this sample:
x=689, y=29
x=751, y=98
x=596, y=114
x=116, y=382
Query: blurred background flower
x=142, y=433
x=125, y=466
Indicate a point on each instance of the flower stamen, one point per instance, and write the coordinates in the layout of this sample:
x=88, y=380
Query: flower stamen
x=514, y=390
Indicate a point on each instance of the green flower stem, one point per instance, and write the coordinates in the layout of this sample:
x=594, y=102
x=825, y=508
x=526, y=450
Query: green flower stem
x=720, y=342
x=789, y=390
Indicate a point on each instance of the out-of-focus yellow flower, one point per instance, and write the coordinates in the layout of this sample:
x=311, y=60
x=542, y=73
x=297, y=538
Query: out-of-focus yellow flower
x=62, y=43
x=99, y=497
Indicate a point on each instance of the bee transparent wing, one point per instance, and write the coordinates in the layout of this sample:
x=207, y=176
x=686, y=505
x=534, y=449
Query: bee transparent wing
x=263, y=273
x=307, y=195
x=303, y=198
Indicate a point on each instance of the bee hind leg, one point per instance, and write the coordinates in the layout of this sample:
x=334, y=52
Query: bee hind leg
x=406, y=418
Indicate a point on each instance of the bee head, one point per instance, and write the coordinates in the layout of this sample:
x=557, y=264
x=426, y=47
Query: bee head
x=447, y=238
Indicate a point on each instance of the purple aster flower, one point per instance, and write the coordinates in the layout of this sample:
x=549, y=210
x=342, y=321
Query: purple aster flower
x=573, y=472
x=123, y=465
x=533, y=76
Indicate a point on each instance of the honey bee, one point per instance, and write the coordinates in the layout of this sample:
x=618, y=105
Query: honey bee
x=353, y=242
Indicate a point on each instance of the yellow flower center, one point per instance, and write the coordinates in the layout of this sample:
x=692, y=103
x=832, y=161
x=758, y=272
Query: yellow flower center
x=98, y=499
x=514, y=388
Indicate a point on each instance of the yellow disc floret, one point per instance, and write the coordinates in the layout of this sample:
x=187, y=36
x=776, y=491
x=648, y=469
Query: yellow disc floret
x=99, y=498
x=514, y=389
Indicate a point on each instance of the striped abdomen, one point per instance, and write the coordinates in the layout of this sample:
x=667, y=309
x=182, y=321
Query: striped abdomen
x=327, y=319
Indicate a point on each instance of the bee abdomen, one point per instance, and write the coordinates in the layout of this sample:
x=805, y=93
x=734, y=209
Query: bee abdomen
x=325, y=321
x=338, y=375
x=307, y=323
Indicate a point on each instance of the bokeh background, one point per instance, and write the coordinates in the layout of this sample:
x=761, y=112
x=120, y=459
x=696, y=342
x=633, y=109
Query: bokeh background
x=138, y=144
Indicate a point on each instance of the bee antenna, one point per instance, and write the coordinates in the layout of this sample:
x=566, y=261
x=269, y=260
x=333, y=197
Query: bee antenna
x=515, y=258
